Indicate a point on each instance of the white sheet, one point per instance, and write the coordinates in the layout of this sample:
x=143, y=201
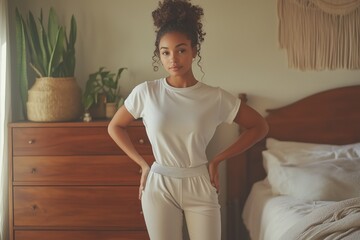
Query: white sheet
x=267, y=217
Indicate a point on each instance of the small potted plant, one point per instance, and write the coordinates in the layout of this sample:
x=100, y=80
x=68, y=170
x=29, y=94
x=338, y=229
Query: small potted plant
x=101, y=97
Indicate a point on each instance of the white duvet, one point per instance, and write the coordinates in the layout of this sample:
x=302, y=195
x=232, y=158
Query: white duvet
x=268, y=217
x=339, y=220
x=312, y=191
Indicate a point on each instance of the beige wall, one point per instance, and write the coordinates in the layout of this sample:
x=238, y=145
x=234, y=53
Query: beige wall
x=240, y=52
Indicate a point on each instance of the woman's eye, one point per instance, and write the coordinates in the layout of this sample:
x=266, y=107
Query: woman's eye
x=165, y=53
x=181, y=50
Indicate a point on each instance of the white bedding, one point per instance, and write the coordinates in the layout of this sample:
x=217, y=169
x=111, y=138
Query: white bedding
x=275, y=214
x=301, y=178
x=339, y=220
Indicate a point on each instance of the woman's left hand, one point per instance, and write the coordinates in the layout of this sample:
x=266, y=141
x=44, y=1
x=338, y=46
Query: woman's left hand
x=214, y=175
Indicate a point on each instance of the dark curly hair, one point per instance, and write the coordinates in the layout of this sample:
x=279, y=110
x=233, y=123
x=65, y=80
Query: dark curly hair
x=178, y=16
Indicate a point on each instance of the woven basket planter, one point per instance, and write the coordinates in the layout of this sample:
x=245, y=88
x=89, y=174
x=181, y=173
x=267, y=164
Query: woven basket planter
x=54, y=99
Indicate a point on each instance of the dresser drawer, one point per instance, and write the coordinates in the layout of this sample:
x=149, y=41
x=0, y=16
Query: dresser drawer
x=66, y=170
x=90, y=206
x=73, y=141
x=81, y=235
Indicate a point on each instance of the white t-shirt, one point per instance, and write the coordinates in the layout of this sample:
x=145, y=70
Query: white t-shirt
x=180, y=122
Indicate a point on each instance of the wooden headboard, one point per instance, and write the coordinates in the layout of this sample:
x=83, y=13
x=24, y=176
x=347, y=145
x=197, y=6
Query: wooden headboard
x=329, y=117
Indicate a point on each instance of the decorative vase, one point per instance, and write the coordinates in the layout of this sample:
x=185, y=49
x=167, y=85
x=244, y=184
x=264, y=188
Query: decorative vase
x=54, y=99
x=110, y=109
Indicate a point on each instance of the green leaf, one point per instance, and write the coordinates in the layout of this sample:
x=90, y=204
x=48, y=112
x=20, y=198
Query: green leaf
x=69, y=63
x=104, y=74
x=73, y=30
x=21, y=59
x=37, y=71
x=56, y=55
x=88, y=101
x=41, y=16
x=34, y=46
x=44, y=46
x=53, y=28
x=108, y=82
x=119, y=73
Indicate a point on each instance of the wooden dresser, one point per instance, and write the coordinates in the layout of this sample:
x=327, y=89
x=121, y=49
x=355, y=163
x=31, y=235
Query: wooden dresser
x=70, y=181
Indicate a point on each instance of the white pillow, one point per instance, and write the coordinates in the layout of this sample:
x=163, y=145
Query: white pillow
x=298, y=152
x=313, y=171
x=330, y=180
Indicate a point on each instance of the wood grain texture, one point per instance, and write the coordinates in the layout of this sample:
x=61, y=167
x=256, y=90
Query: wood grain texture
x=81, y=235
x=70, y=181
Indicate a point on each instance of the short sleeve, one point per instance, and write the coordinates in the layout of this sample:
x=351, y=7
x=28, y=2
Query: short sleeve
x=135, y=102
x=228, y=107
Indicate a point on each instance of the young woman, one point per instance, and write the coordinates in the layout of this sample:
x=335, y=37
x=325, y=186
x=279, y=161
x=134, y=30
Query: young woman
x=181, y=115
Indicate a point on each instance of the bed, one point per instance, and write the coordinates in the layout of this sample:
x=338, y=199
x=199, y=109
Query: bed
x=292, y=183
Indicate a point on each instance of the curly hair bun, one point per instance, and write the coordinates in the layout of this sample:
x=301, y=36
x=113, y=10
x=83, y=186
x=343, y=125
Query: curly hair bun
x=177, y=11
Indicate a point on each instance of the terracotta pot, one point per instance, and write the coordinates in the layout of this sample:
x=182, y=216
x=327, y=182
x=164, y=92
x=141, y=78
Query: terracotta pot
x=110, y=109
x=54, y=99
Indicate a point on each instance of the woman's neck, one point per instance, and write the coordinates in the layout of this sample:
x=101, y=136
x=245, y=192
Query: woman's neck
x=181, y=82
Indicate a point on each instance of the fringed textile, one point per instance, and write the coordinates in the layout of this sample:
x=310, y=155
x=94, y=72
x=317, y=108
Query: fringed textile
x=320, y=34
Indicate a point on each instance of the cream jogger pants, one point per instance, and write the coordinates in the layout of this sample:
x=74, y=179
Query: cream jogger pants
x=171, y=193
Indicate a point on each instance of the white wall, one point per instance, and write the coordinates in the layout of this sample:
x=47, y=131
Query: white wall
x=240, y=52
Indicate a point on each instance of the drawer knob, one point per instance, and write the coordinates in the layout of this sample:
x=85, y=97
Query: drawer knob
x=31, y=141
x=141, y=141
x=34, y=207
x=33, y=170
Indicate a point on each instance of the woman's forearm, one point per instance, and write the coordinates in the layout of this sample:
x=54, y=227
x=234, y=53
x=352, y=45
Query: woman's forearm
x=247, y=139
x=120, y=136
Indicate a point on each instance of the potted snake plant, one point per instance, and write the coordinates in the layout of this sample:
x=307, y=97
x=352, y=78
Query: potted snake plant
x=55, y=94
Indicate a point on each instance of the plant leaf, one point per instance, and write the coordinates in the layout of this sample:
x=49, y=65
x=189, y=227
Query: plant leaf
x=53, y=27
x=34, y=46
x=21, y=59
x=56, y=55
x=88, y=100
x=73, y=30
x=109, y=82
x=44, y=46
x=36, y=70
x=119, y=73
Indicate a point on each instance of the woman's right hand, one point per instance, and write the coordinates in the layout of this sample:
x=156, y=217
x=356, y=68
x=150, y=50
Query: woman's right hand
x=144, y=173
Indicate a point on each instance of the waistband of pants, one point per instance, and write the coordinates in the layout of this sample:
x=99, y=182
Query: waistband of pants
x=179, y=172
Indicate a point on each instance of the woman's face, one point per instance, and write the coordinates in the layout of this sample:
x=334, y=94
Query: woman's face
x=176, y=53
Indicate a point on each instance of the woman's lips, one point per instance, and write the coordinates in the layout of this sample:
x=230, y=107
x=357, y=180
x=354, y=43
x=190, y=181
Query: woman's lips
x=175, y=68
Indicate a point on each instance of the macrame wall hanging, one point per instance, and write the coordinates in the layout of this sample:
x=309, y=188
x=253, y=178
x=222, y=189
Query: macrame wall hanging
x=320, y=34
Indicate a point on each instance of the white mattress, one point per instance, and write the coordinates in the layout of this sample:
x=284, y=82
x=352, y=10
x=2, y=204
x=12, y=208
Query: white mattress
x=267, y=217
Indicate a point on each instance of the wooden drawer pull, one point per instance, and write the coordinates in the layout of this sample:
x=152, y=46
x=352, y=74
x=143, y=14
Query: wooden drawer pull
x=141, y=141
x=31, y=141
x=33, y=170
